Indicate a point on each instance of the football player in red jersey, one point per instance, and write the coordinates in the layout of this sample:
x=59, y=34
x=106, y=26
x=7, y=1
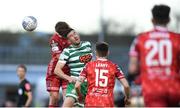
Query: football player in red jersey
x=57, y=42
x=156, y=54
x=101, y=75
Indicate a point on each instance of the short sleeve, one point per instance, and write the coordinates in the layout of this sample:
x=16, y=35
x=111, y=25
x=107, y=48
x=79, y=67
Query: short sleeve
x=89, y=45
x=64, y=56
x=27, y=87
x=134, y=50
x=118, y=72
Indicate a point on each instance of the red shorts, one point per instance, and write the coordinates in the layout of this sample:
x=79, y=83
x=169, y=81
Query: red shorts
x=53, y=83
x=161, y=93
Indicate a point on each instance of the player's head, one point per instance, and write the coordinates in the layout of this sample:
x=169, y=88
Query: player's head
x=74, y=37
x=102, y=49
x=160, y=15
x=21, y=71
x=62, y=28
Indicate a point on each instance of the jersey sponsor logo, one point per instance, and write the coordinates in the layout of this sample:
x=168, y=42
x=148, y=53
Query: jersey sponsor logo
x=27, y=86
x=54, y=46
x=20, y=91
x=100, y=90
x=85, y=58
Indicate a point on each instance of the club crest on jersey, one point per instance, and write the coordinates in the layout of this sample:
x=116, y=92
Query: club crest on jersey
x=54, y=44
x=85, y=58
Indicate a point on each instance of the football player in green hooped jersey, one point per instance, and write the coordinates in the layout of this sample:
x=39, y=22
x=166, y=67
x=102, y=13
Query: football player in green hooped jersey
x=75, y=56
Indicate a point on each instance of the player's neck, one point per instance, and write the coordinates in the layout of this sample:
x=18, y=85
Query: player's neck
x=21, y=79
x=101, y=58
x=160, y=27
x=77, y=45
x=58, y=35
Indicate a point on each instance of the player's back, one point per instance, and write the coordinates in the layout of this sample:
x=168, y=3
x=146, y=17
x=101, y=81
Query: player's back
x=101, y=75
x=159, y=50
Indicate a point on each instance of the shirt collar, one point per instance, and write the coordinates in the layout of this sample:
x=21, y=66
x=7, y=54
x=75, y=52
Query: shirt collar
x=160, y=28
x=102, y=59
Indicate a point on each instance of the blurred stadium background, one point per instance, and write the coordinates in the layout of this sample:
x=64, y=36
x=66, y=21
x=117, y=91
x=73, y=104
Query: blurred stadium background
x=32, y=49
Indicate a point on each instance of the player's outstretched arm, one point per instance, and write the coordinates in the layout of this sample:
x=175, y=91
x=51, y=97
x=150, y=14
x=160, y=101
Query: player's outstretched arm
x=125, y=84
x=59, y=72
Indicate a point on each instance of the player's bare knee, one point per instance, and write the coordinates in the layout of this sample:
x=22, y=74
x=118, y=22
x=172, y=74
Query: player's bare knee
x=54, y=96
x=68, y=102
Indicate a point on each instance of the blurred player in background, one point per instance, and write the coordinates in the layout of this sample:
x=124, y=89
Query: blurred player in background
x=75, y=56
x=53, y=82
x=156, y=54
x=101, y=75
x=24, y=89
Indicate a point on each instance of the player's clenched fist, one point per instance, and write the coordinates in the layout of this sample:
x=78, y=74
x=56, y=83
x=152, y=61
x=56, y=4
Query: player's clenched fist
x=72, y=80
x=127, y=101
